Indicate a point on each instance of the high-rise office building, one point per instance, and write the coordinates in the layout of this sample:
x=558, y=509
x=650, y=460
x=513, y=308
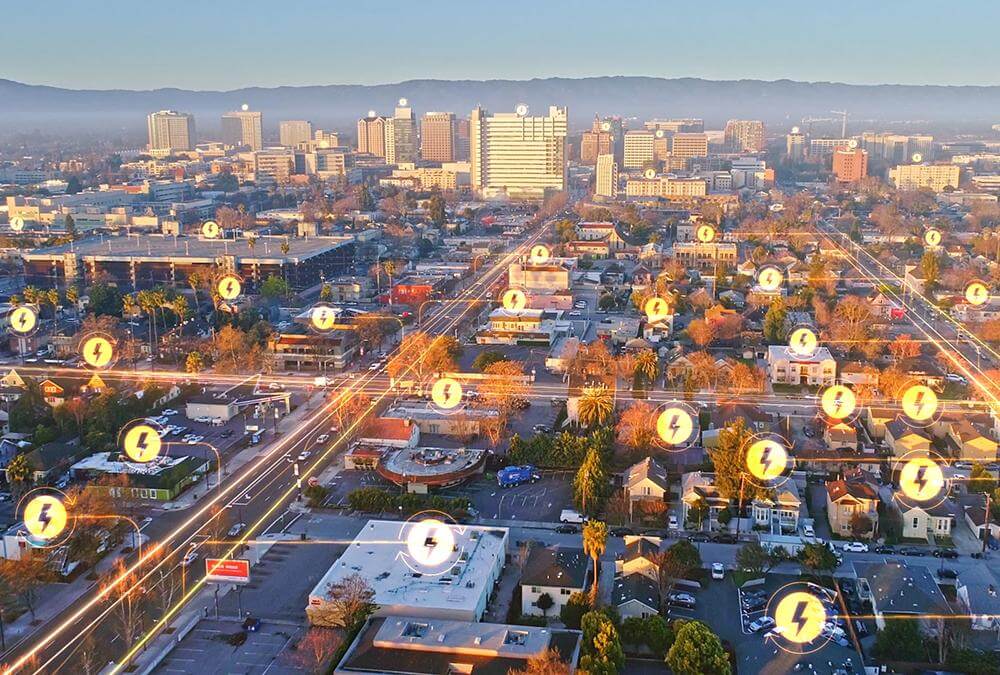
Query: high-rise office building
x=689, y=145
x=606, y=176
x=243, y=128
x=681, y=126
x=293, y=132
x=518, y=155
x=437, y=137
x=935, y=177
x=638, y=148
x=169, y=130
x=745, y=135
x=850, y=164
x=462, y=139
x=795, y=144
x=371, y=134
x=401, y=135
x=596, y=142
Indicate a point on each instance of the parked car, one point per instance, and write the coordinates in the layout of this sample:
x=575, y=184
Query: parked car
x=754, y=605
x=911, y=550
x=679, y=599
x=622, y=532
x=885, y=549
x=856, y=546
x=724, y=538
x=571, y=516
x=945, y=553
x=945, y=573
x=718, y=571
x=672, y=522
x=763, y=623
x=698, y=537
x=566, y=528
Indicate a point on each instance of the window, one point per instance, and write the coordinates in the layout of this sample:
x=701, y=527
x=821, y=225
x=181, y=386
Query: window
x=536, y=589
x=916, y=523
x=565, y=591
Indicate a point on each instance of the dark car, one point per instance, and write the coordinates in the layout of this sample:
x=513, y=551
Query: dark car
x=945, y=573
x=912, y=550
x=226, y=433
x=754, y=605
x=567, y=529
x=251, y=624
x=884, y=549
x=945, y=553
x=847, y=587
x=622, y=531
x=725, y=538
x=698, y=536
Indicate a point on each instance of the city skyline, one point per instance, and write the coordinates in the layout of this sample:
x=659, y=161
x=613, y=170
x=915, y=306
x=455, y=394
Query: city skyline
x=557, y=40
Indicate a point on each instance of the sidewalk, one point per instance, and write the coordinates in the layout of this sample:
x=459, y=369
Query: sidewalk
x=61, y=597
x=287, y=423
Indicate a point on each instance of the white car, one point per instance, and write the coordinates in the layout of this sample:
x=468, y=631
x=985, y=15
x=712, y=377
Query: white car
x=304, y=455
x=575, y=314
x=580, y=305
x=168, y=412
x=193, y=440
x=856, y=547
x=189, y=558
x=672, y=522
x=718, y=571
x=323, y=438
x=763, y=623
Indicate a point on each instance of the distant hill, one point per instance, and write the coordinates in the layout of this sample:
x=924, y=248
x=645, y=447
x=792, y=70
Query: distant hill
x=25, y=107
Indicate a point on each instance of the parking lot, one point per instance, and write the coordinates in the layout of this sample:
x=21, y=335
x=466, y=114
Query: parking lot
x=206, y=650
x=541, y=501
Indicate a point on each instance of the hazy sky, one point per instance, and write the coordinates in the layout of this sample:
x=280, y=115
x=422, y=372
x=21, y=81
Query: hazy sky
x=225, y=44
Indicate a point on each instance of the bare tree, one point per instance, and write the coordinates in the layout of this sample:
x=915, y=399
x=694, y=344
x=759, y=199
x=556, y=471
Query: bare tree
x=348, y=604
x=315, y=649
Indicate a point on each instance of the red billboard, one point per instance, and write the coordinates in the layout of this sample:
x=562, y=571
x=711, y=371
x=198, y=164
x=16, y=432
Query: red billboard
x=227, y=571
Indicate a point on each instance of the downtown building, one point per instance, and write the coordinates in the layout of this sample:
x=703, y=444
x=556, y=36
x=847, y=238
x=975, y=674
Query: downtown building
x=437, y=137
x=516, y=155
x=401, y=135
x=170, y=130
x=606, y=177
x=291, y=133
x=243, y=128
x=371, y=134
x=745, y=135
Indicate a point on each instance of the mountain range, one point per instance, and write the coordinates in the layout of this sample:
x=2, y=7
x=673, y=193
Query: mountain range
x=780, y=103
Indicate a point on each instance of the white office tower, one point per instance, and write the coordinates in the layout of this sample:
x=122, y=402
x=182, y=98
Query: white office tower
x=516, y=155
x=170, y=130
x=401, y=135
x=293, y=132
x=242, y=128
x=606, y=184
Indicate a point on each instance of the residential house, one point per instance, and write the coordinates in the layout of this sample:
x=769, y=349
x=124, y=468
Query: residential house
x=858, y=373
x=898, y=591
x=978, y=589
x=50, y=460
x=903, y=439
x=841, y=436
x=636, y=595
x=699, y=486
x=971, y=445
x=926, y=522
x=780, y=514
x=847, y=498
x=640, y=557
x=974, y=510
x=724, y=414
x=786, y=367
x=876, y=419
x=647, y=481
x=556, y=571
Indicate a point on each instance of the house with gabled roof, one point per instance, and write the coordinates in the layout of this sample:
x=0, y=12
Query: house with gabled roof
x=647, y=481
x=847, y=498
x=903, y=439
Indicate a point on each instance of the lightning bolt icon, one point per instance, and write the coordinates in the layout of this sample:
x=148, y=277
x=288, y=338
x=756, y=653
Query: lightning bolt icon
x=97, y=351
x=22, y=319
x=918, y=402
x=920, y=480
x=804, y=339
x=837, y=401
x=229, y=287
x=43, y=516
x=765, y=459
x=141, y=443
x=799, y=618
x=674, y=426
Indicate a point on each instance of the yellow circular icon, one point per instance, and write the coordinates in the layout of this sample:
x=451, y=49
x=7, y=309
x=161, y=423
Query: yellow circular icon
x=770, y=279
x=921, y=479
x=838, y=401
x=767, y=459
x=446, y=393
x=323, y=317
x=932, y=237
x=803, y=342
x=97, y=351
x=514, y=300
x=919, y=403
x=705, y=233
x=142, y=443
x=17, y=224
x=45, y=517
x=539, y=254
x=210, y=229
x=977, y=293
x=674, y=426
x=657, y=309
x=230, y=286
x=430, y=529
x=799, y=617
x=23, y=320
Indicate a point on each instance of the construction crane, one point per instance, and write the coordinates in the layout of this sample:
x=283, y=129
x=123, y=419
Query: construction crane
x=843, y=125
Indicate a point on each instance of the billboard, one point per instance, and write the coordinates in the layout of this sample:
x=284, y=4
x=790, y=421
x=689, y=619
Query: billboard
x=227, y=571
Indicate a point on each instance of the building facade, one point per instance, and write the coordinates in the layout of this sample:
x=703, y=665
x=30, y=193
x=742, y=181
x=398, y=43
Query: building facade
x=170, y=130
x=437, y=137
x=243, y=128
x=293, y=132
x=745, y=135
x=518, y=155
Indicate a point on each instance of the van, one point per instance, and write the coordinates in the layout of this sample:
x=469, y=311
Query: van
x=571, y=516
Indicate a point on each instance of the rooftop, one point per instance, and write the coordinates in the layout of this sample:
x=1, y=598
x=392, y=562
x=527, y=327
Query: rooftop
x=430, y=463
x=636, y=586
x=556, y=566
x=898, y=589
x=384, y=556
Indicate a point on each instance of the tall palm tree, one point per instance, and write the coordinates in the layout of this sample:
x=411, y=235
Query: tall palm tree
x=31, y=294
x=73, y=297
x=195, y=280
x=51, y=297
x=285, y=247
x=595, y=542
x=19, y=473
x=596, y=406
x=251, y=242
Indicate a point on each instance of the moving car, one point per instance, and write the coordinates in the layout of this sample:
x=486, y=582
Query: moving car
x=323, y=438
x=949, y=553
x=304, y=455
x=512, y=476
x=672, y=522
x=189, y=558
x=718, y=570
x=237, y=529
x=251, y=624
x=945, y=573
x=622, y=532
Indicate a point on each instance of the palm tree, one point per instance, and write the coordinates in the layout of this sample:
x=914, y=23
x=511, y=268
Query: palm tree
x=595, y=542
x=251, y=242
x=195, y=280
x=73, y=297
x=31, y=295
x=646, y=365
x=19, y=474
x=596, y=406
x=15, y=300
x=285, y=247
x=390, y=269
x=51, y=296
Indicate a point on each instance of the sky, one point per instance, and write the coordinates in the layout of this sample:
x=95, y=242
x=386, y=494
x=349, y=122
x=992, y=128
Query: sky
x=228, y=44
